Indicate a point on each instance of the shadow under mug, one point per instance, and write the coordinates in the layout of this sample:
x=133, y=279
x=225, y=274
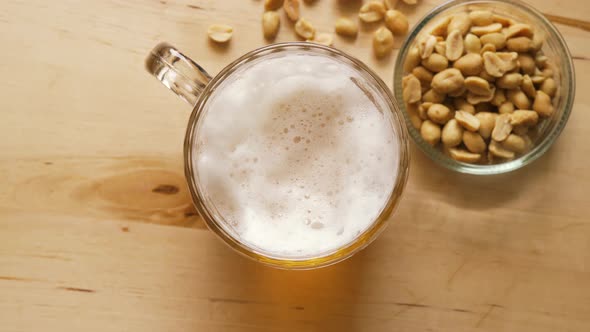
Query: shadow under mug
x=194, y=85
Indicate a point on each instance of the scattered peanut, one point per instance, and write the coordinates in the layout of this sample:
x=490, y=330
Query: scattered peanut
x=323, y=38
x=382, y=42
x=396, y=21
x=272, y=4
x=346, y=27
x=270, y=24
x=220, y=33
x=291, y=8
x=372, y=11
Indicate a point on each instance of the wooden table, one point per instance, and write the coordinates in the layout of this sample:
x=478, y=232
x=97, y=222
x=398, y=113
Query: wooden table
x=97, y=231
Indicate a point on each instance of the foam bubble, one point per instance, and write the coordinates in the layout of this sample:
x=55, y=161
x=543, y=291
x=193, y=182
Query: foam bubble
x=290, y=165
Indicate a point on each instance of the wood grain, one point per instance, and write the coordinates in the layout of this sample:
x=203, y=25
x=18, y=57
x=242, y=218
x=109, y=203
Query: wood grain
x=92, y=187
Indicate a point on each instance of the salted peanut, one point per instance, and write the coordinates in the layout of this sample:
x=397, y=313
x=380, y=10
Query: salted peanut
x=413, y=59
x=372, y=11
x=390, y=4
x=426, y=46
x=452, y=133
x=497, y=64
x=435, y=62
x=503, y=128
x=441, y=48
x=220, y=33
x=519, y=30
x=382, y=42
x=524, y=118
x=469, y=64
x=439, y=113
x=477, y=85
x=538, y=79
x=538, y=41
x=472, y=43
x=412, y=91
x=519, y=99
x=480, y=31
x=270, y=24
x=346, y=27
x=423, y=74
x=440, y=29
x=291, y=8
x=497, y=150
x=410, y=2
x=460, y=93
x=464, y=156
x=507, y=107
x=415, y=119
x=448, y=80
x=481, y=17
x=527, y=86
x=488, y=48
x=454, y=46
x=461, y=22
x=542, y=104
x=527, y=64
x=519, y=44
x=433, y=96
x=304, y=29
x=509, y=81
x=549, y=87
x=499, y=98
x=484, y=74
x=495, y=38
x=323, y=38
x=474, y=142
x=541, y=60
x=547, y=72
x=430, y=132
x=396, y=21
x=520, y=130
x=476, y=99
x=423, y=110
x=514, y=143
x=467, y=121
x=487, y=122
x=272, y=4
x=462, y=105
x=505, y=21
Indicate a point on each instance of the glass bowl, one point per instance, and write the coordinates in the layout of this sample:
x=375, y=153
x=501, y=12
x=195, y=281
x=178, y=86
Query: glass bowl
x=554, y=48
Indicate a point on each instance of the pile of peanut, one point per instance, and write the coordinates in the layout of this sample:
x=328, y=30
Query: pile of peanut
x=479, y=87
x=372, y=11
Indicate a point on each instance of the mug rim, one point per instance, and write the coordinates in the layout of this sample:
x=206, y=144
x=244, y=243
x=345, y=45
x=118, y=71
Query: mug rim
x=339, y=254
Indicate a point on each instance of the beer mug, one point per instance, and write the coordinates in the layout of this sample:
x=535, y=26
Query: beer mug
x=295, y=154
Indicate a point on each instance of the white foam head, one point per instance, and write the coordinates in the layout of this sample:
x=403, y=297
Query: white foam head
x=295, y=156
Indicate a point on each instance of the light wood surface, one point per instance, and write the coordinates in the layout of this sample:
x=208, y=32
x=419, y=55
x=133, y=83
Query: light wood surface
x=97, y=231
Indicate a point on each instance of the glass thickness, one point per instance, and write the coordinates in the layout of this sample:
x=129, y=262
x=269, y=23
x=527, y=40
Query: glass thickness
x=191, y=83
x=554, y=47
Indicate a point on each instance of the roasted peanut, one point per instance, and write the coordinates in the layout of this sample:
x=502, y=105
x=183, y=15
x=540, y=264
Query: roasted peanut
x=454, y=45
x=430, y=132
x=541, y=60
x=272, y=4
x=323, y=38
x=538, y=41
x=488, y=48
x=423, y=74
x=476, y=99
x=426, y=46
x=481, y=17
x=474, y=142
x=527, y=86
x=372, y=11
x=519, y=99
x=477, y=85
x=270, y=24
x=440, y=28
x=435, y=62
x=497, y=150
x=433, y=96
x=439, y=113
x=415, y=119
x=346, y=27
x=412, y=59
x=497, y=64
x=463, y=105
x=519, y=44
x=448, y=80
x=423, y=110
x=480, y=31
x=396, y=21
x=524, y=118
x=549, y=87
x=452, y=133
x=291, y=8
x=441, y=48
x=458, y=93
x=304, y=29
x=542, y=104
x=469, y=64
x=472, y=43
x=519, y=30
x=499, y=98
x=467, y=121
x=503, y=128
x=514, y=143
x=484, y=74
x=487, y=122
x=412, y=91
x=496, y=38
x=527, y=64
x=464, y=156
x=505, y=21
x=382, y=42
x=461, y=22
x=220, y=33
x=410, y=2
x=509, y=81
x=506, y=107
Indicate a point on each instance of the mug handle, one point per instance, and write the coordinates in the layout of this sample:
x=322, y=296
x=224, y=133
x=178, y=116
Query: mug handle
x=177, y=72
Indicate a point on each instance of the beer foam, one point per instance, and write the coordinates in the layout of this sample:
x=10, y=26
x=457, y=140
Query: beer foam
x=296, y=155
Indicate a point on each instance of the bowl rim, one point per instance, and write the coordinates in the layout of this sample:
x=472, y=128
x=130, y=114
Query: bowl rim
x=568, y=94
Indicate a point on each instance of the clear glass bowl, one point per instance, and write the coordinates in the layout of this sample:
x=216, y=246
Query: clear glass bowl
x=554, y=48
